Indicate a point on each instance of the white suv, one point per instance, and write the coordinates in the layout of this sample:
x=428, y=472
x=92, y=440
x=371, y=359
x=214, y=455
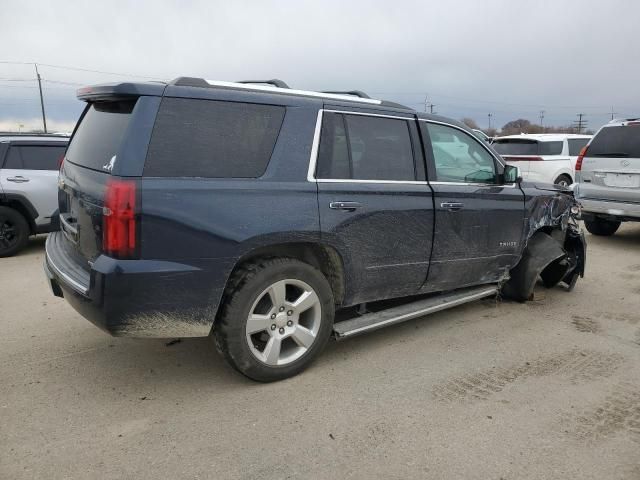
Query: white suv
x=545, y=157
x=29, y=167
x=608, y=180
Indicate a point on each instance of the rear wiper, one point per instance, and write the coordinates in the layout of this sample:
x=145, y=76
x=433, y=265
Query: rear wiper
x=610, y=154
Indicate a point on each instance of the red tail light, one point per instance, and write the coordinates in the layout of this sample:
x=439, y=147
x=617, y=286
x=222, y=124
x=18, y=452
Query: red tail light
x=583, y=152
x=119, y=219
x=60, y=162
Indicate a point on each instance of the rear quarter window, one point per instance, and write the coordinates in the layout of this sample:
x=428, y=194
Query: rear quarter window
x=212, y=139
x=527, y=147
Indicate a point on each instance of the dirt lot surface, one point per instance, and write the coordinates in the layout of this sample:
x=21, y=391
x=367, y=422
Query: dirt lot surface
x=548, y=389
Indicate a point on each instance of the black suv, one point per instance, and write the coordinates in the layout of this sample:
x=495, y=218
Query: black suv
x=270, y=217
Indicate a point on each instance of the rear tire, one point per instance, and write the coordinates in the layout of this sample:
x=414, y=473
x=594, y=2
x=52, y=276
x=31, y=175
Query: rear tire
x=563, y=180
x=14, y=232
x=604, y=228
x=276, y=318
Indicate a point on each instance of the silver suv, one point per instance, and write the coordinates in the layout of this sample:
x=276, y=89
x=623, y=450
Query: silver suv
x=29, y=167
x=608, y=176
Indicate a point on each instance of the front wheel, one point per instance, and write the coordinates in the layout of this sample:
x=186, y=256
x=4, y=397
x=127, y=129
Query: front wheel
x=276, y=318
x=14, y=232
x=602, y=227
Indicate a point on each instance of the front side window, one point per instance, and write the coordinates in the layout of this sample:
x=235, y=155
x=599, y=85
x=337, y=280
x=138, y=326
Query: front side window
x=361, y=147
x=459, y=157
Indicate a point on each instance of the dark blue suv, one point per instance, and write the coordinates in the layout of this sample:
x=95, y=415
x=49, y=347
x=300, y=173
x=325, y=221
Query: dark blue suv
x=269, y=218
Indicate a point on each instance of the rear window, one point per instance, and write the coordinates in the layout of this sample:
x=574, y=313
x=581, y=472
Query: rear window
x=518, y=146
x=212, y=139
x=99, y=135
x=577, y=144
x=34, y=157
x=622, y=141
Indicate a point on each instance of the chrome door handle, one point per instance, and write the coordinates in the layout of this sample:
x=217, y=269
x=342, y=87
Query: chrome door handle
x=349, y=206
x=452, y=206
x=18, y=179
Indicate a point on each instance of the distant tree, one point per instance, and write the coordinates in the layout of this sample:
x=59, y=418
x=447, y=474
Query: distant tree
x=514, y=127
x=492, y=132
x=470, y=122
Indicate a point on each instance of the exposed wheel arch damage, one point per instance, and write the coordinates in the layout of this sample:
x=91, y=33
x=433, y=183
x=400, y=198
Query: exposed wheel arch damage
x=555, y=248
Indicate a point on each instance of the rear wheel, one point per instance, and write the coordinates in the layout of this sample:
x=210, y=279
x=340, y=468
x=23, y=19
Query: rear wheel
x=602, y=227
x=14, y=232
x=563, y=180
x=276, y=318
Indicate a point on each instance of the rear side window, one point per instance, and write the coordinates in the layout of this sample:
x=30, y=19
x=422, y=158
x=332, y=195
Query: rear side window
x=576, y=144
x=361, y=147
x=518, y=146
x=34, y=157
x=212, y=139
x=622, y=141
x=99, y=134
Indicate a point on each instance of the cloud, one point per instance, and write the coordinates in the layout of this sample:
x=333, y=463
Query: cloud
x=470, y=58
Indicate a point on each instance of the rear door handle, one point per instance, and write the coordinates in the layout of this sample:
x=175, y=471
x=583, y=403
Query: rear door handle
x=18, y=179
x=349, y=206
x=452, y=206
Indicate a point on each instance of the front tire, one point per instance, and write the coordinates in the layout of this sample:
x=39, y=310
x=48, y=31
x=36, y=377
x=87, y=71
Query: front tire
x=14, y=232
x=604, y=228
x=276, y=318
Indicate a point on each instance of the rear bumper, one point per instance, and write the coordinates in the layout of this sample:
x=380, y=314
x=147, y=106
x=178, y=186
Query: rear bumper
x=139, y=298
x=605, y=208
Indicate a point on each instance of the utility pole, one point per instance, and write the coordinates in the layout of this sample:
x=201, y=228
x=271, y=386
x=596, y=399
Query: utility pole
x=428, y=105
x=490, y=115
x=613, y=113
x=542, y=118
x=44, y=118
x=580, y=123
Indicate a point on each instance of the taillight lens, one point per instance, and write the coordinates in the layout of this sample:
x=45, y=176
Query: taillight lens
x=60, y=162
x=581, y=155
x=119, y=237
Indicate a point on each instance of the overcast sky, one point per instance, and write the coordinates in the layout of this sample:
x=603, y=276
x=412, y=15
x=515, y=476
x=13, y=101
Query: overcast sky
x=470, y=58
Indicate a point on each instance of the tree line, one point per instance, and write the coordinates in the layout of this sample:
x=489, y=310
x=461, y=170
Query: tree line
x=522, y=125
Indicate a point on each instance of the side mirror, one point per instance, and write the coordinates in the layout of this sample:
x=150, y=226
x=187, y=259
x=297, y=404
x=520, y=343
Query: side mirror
x=511, y=174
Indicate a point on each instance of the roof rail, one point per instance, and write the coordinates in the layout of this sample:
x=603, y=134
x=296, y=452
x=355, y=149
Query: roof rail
x=355, y=93
x=274, y=81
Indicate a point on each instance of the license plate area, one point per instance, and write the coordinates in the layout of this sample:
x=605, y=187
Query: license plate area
x=622, y=180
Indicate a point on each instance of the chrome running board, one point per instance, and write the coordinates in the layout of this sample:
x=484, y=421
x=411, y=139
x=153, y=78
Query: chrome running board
x=373, y=321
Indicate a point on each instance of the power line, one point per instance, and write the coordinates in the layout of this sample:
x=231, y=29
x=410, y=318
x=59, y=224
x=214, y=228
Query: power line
x=78, y=69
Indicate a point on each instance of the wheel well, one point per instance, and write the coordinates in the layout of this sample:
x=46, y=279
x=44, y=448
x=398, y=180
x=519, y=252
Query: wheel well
x=565, y=175
x=324, y=258
x=23, y=210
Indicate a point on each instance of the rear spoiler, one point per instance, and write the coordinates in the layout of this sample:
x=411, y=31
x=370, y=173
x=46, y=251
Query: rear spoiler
x=119, y=91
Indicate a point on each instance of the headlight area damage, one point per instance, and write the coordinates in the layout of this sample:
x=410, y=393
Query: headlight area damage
x=555, y=247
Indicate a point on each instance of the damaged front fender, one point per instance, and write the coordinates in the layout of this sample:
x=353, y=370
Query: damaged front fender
x=555, y=247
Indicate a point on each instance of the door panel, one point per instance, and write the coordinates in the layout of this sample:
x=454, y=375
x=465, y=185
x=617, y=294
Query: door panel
x=38, y=186
x=478, y=223
x=387, y=238
x=476, y=242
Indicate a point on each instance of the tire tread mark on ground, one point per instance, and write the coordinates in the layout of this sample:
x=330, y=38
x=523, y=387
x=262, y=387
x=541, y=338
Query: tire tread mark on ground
x=619, y=412
x=577, y=365
x=585, y=324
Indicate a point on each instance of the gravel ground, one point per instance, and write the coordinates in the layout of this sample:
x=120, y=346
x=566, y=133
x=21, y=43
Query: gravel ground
x=547, y=389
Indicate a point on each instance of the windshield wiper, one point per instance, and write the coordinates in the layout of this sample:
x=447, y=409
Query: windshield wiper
x=610, y=154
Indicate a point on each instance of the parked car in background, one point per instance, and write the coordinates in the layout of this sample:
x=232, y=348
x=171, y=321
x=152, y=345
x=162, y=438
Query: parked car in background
x=608, y=177
x=255, y=212
x=28, y=187
x=547, y=157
